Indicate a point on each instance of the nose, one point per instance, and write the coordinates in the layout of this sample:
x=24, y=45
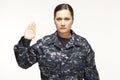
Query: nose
x=62, y=23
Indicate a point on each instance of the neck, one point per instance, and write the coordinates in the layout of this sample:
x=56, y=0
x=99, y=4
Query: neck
x=65, y=35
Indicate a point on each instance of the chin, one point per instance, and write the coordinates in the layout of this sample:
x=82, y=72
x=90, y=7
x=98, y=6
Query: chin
x=63, y=31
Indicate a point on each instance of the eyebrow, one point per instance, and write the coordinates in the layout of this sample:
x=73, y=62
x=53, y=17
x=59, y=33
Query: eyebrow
x=64, y=18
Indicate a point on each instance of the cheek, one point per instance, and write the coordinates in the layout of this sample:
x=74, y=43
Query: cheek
x=70, y=24
x=56, y=23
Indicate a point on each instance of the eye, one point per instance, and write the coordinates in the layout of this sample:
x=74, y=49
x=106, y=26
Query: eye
x=58, y=19
x=67, y=18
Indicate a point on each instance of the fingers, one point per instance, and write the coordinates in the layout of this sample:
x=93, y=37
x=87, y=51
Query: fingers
x=30, y=32
x=32, y=26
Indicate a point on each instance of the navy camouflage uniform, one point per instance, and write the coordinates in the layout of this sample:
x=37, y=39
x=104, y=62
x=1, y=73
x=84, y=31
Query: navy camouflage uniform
x=74, y=61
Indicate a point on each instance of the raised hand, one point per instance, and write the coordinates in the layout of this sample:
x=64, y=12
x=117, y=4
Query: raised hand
x=30, y=32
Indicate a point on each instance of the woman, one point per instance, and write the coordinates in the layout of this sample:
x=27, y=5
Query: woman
x=63, y=55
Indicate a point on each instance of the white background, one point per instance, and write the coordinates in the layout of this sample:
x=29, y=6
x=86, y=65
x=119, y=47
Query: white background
x=96, y=20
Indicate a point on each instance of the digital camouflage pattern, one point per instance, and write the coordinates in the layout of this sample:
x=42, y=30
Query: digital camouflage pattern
x=75, y=61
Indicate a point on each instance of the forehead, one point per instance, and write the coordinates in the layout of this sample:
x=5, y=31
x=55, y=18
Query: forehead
x=63, y=13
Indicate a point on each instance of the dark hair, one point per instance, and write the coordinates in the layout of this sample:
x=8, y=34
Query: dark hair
x=62, y=7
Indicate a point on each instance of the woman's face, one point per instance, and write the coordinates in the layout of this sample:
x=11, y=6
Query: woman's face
x=63, y=21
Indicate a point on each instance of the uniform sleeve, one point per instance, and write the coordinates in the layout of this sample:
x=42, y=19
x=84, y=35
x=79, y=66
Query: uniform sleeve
x=91, y=72
x=25, y=54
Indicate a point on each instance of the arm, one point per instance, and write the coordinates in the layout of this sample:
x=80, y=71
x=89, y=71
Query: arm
x=91, y=72
x=25, y=54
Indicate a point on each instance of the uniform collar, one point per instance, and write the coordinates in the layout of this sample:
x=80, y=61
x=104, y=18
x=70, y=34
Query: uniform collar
x=74, y=41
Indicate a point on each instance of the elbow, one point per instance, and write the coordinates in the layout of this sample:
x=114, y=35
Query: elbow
x=23, y=66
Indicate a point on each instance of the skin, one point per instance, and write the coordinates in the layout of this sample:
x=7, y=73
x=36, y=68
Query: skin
x=63, y=21
x=30, y=31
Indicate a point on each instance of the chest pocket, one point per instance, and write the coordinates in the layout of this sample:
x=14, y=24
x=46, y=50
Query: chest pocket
x=77, y=59
x=50, y=58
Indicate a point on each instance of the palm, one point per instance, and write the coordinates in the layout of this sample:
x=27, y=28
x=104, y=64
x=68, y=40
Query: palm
x=30, y=32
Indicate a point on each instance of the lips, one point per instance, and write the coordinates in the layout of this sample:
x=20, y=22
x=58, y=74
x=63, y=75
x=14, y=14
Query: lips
x=63, y=28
